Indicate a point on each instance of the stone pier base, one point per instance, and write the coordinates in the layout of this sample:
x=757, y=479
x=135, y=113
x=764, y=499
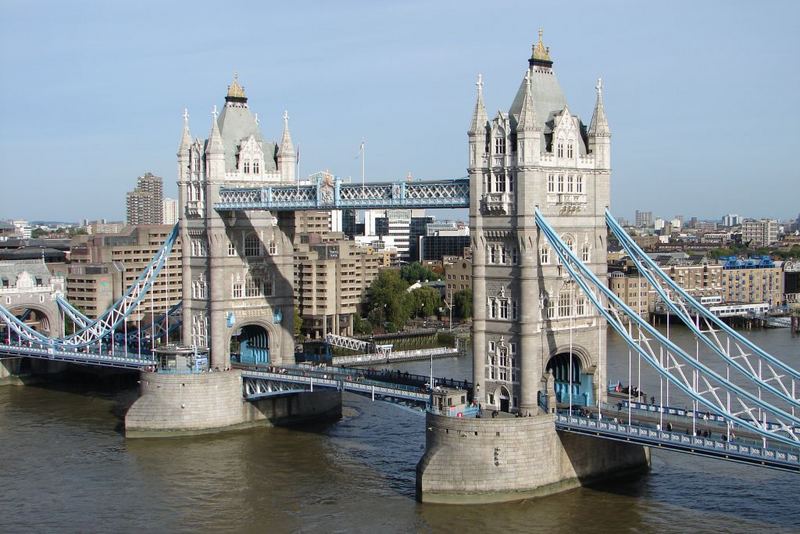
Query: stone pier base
x=10, y=371
x=179, y=405
x=469, y=461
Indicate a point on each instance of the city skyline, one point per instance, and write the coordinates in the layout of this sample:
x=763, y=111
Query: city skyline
x=675, y=89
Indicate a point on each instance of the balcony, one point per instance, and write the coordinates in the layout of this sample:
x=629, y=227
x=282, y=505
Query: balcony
x=569, y=202
x=496, y=203
x=194, y=208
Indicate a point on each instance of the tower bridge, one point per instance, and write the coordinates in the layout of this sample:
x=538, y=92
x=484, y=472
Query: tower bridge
x=538, y=193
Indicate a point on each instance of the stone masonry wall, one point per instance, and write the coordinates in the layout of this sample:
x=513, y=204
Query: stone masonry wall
x=504, y=459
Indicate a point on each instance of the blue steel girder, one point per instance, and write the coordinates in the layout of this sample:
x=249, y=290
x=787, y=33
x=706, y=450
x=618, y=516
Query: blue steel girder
x=775, y=375
x=744, y=453
x=338, y=195
x=110, y=320
x=617, y=313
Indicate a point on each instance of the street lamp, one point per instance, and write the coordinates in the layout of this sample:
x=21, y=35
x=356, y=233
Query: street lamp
x=450, y=307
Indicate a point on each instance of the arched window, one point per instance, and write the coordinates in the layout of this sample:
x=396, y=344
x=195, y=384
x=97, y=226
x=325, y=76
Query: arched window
x=560, y=151
x=551, y=183
x=570, y=242
x=273, y=248
x=569, y=150
x=256, y=168
x=252, y=245
x=246, y=167
x=585, y=253
x=579, y=184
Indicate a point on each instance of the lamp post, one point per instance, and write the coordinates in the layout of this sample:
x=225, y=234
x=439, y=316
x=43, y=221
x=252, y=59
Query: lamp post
x=450, y=308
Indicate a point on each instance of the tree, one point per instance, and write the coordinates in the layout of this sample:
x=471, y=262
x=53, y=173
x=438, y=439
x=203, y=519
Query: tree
x=462, y=304
x=426, y=301
x=414, y=272
x=298, y=323
x=361, y=326
x=389, y=300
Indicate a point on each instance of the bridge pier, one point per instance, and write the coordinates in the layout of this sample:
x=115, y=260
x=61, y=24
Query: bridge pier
x=10, y=371
x=185, y=404
x=473, y=461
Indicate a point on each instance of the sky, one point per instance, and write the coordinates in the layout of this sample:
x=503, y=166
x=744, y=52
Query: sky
x=701, y=97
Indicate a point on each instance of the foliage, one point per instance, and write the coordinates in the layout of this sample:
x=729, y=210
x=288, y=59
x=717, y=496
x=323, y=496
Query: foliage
x=426, y=301
x=414, y=272
x=389, y=300
x=361, y=326
x=298, y=323
x=462, y=304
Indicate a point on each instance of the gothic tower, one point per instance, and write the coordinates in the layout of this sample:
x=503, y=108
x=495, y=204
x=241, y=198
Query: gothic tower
x=237, y=267
x=532, y=326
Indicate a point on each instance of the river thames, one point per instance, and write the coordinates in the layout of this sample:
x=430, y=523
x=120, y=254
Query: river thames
x=65, y=466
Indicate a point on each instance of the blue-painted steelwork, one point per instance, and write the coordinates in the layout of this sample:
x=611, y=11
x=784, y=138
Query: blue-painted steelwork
x=108, y=322
x=333, y=194
x=778, y=378
x=751, y=454
x=253, y=345
x=120, y=361
x=711, y=381
x=365, y=387
x=77, y=317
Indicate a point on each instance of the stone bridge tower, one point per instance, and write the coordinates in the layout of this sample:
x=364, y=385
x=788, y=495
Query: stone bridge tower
x=528, y=316
x=237, y=267
x=530, y=321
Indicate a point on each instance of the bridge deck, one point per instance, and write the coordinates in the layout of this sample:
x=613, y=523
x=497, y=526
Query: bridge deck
x=367, y=387
x=662, y=439
x=87, y=358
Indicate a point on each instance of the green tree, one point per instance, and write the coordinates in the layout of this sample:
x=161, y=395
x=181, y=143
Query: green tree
x=389, y=300
x=361, y=326
x=426, y=301
x=462, y=304
x=298, y=323
x=414, y=272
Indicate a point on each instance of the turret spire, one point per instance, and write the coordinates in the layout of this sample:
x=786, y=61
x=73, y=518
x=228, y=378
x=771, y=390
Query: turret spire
x=286, y=140
x=540, y=54
x=287, y=157
x=236, y=91
x=599, y=124
x=186, y=138
x=215, y=145
x=527, y=114
x=479, y=117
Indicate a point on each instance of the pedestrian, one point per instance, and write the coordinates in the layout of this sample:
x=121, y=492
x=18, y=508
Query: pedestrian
x=652, y=400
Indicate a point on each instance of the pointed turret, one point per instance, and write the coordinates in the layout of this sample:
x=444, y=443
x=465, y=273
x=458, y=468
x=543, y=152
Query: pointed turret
x=599, y=125
x=287, y=158
x=186, y=138
x=479, y=117
x=215, y=152
x=529, y=131
x=215, y=145
x=540, y=54
x=236, y=91
x=599, y=132
x=527, y=114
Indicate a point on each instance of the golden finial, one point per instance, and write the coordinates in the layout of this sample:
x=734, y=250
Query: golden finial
x=541, y=52
x=234, y=89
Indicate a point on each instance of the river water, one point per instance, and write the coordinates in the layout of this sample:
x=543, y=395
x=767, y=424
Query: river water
x=65, y=466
